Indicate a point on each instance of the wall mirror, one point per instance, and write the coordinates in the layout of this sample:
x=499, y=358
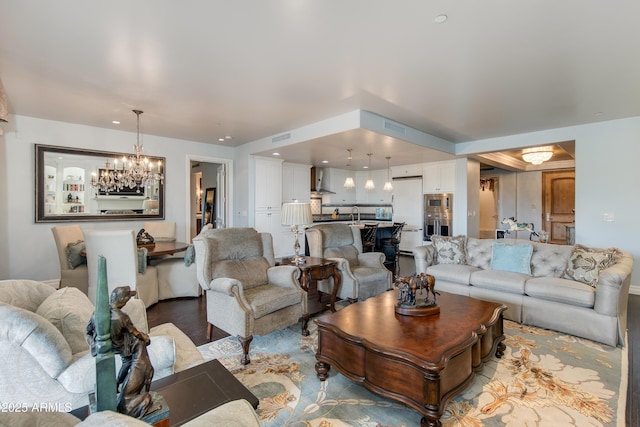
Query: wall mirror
x=64, y=181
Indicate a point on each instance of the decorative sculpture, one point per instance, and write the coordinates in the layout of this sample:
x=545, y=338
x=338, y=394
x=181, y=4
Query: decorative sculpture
x=409, y=290
x=520, y=226
x=134, y=378
x=144, y=238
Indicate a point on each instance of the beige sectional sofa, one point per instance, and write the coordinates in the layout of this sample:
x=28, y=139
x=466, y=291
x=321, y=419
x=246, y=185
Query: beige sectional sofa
x=568, y=288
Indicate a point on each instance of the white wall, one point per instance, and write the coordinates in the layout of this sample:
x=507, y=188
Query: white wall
x=27, y=249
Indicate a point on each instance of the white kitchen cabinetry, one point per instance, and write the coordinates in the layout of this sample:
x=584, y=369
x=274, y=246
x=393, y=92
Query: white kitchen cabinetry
x=268, y=199
x=377, y=195
x=268, y=183
x=296, y=182
x=405, y=171
x=334, y=181
x=439, y=177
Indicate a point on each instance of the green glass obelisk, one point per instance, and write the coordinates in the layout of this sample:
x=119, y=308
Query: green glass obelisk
x=105, y=361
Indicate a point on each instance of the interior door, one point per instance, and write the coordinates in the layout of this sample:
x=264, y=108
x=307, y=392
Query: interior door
x=558, y=198
x=221, y=197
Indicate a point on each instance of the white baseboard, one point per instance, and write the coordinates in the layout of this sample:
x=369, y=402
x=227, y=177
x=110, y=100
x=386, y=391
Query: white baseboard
x=634, y=289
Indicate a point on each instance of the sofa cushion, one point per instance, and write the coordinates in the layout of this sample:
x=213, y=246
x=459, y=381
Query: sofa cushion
x=549, y=260
x=561, y=290
x=72, y=251
x=69, y=310
x=455, y=273
x=450, y=250
x=505, y=281
x=269, y=298
x=514, y=258
x=585, y=264
x=479, y=252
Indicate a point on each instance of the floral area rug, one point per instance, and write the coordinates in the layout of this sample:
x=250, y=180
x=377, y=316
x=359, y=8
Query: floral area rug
x=544, y=379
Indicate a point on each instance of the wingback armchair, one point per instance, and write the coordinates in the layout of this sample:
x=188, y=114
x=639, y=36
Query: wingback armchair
x=363, y=274
x=246, y=293
x=45, y=355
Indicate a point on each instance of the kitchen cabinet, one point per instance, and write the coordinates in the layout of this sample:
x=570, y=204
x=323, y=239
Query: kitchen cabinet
x=377, y=195
x=405, y=171
x=334, y=181
x=270, y=221
x=439, y=177
x=295, y=182
x=268, y=184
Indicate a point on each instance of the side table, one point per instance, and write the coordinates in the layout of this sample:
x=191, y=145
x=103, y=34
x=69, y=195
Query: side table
x=315, y=269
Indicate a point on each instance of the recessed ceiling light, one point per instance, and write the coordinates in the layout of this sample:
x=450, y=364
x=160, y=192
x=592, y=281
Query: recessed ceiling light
x=276, y=154
x=325, y=161
x=598, y=114
x=440, y=19
x=115, y=122
x=221, y=139
x=228, y=137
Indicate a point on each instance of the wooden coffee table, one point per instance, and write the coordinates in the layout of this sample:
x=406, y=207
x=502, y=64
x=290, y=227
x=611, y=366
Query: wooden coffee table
x=421, y=361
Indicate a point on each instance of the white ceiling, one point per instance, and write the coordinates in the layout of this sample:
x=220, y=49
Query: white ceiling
x=202, y=70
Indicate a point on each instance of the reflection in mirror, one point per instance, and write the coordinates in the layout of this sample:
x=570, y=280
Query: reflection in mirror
x=68, y=187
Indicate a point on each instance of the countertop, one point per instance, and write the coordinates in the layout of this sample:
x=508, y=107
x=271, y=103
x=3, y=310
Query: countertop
x=347, y=217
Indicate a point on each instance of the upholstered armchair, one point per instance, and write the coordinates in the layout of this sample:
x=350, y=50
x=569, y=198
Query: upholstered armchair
x=363, y=274
x=46, y=358
x=73, y=268
x=246, y=293
x=125, y=265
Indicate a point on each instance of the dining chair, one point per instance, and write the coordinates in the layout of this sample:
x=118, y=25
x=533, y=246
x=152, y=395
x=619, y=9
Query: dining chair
x=125, y=265
x=391, y=248
x=73, y=268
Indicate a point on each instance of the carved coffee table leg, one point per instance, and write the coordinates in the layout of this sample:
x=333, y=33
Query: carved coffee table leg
x=322, y=370
x=426, y=422
x=500, y=350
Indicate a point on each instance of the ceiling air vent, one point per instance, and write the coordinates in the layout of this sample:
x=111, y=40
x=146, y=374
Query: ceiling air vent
x=281, y=137
x=395, y=127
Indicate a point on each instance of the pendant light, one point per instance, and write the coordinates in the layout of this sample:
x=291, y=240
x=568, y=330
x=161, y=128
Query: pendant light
x=349, y=183
x=387, y=185
x=369, y=185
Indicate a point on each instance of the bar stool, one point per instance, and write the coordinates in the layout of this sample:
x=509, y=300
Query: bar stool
x=391, y=248
x=369, y=237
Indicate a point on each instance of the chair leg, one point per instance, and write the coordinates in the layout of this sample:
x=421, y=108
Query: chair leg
x=305, y=323
x=209, y=331
x=245, y=343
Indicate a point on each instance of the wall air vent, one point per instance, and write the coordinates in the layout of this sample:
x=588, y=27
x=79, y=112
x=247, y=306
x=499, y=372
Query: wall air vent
x=395, y=127
x=281, y=137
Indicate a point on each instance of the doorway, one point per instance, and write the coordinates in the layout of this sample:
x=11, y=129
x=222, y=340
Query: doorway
x=488, y=207
x=210, y=186
x=558, y=201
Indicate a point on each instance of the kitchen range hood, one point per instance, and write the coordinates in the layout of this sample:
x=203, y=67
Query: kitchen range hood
x=317, y=188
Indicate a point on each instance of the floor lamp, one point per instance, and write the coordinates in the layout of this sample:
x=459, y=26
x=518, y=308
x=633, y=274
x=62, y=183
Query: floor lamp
x=296, y=214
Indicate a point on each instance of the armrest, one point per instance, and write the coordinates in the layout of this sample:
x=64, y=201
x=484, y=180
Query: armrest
x=613, y=284
x=284, y=275
x=372, y=259
x=345, y=269
x=423, y=256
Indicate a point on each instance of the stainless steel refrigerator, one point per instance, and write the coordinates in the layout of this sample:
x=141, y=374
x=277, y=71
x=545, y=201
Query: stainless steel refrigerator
x=408, y=208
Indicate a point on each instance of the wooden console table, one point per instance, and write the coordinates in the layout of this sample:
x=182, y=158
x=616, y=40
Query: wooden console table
x=315, y=269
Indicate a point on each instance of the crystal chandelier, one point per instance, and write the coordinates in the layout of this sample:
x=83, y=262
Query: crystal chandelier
x=387, y=185
x=136, y=171
x=369, y=185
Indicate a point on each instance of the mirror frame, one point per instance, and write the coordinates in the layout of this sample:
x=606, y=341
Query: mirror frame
x=40, y=215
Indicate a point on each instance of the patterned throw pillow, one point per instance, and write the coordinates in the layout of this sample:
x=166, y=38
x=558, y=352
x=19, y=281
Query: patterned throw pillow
x=450, y=250
x=73, y=252
x=585, y=264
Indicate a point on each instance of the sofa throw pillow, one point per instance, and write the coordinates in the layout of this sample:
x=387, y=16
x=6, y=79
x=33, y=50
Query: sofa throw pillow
x=514, y=258
x=450, y=250
x=585, y=264
x=73, y=251
x=69, y=310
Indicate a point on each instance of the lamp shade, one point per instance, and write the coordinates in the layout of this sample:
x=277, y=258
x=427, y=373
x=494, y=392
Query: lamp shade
x=296, y=213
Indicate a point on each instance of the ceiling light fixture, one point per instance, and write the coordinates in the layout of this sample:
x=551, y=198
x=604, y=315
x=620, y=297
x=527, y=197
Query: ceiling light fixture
x=387, y=185
x=369, y=185
x=537, y=156
x=440, y=19
x=136, y=171
x=349, y=183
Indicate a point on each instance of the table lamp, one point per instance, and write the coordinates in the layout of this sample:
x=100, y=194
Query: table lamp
x=296, y=214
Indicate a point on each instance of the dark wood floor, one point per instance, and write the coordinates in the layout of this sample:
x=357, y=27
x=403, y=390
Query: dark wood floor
x=189, y=314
